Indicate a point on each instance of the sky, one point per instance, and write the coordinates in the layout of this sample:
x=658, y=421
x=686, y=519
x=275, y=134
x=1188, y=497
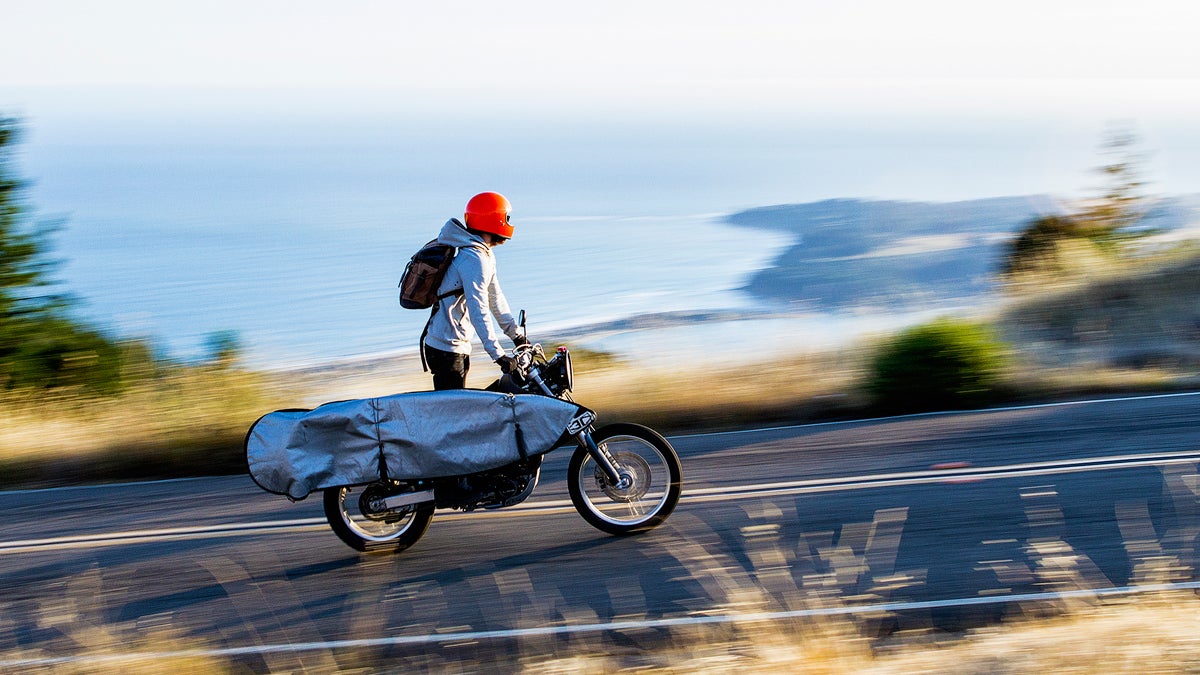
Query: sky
x=734, y=73
x=620, y=54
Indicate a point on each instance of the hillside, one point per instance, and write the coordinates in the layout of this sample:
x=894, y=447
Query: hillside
x=888, y=254
x=1147, y=319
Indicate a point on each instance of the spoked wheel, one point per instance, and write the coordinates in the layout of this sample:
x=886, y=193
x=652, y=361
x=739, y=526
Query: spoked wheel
x=651, y=480
x=363, y=528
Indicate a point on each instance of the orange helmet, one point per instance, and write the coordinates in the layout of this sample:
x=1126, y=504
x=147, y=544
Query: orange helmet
x=488, y=212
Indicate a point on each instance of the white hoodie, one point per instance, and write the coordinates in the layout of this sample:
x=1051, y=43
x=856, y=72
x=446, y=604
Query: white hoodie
x=463, y=315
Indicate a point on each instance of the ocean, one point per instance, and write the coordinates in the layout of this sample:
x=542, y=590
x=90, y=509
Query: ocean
x=174, y=246
x=296, y=240
x=309, y=294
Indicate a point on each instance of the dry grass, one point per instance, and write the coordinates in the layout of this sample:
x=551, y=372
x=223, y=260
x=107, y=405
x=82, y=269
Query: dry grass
x=1028, y=382
x=798, y=388
x=184, y=423
x=186, y=408
x=1152, y=635
x=73, y=616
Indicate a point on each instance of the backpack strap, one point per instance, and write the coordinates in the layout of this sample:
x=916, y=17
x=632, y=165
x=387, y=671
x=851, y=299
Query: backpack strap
x=421, y=343
x=428, y=322
x=438, y=305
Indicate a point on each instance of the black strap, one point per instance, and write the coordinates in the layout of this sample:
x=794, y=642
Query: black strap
x=425, y=333
x=524, y=451
x=438, y=303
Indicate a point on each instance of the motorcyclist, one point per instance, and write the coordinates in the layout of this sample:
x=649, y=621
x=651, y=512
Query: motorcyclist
x=470, y=294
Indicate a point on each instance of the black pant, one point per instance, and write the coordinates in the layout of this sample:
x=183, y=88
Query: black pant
x=449, y=369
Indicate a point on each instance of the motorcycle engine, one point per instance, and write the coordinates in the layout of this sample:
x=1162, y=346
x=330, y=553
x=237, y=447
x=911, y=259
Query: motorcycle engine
x=508, y=485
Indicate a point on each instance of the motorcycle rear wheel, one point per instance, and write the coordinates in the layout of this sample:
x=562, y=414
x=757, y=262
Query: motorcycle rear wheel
x=653, y=473
x=374, y=533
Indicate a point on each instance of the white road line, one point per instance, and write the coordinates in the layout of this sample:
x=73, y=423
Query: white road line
x=965, y=475
x=944, y=413
x=104, y=486
x=695, y=496
x=606, y=627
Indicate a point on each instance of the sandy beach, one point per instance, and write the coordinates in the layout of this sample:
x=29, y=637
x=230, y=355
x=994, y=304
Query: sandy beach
x=661, y=343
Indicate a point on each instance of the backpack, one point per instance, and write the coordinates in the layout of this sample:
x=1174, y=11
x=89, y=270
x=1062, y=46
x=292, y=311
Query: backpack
x=420, y=282
x=424, y=274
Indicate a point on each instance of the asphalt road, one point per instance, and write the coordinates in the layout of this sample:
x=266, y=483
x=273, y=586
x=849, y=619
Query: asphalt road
x=918, y=522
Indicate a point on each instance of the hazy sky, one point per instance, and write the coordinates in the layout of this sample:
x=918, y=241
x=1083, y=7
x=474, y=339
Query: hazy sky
x=1022, y=88
x=744, y=52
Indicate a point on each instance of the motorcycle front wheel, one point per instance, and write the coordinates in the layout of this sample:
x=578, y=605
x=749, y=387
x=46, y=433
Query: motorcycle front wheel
x=651, y=485
x=348, y=512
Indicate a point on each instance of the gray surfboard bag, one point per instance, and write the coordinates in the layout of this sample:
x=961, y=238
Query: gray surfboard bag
x=421, y=435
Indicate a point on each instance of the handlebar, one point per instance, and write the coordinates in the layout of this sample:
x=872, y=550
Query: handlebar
x=525, y=355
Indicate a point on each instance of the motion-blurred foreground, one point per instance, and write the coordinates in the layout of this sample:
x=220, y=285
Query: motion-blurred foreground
x=767, y=595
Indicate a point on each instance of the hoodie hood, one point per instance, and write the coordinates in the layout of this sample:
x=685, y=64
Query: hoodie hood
x=454, y=233
x=472, y=297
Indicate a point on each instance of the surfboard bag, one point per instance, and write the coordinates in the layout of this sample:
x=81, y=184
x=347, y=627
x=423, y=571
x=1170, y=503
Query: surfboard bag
x=420, y=435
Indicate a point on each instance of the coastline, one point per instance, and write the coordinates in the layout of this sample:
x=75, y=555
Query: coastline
x=653, y=342
x=394, y=371
x=853, y=270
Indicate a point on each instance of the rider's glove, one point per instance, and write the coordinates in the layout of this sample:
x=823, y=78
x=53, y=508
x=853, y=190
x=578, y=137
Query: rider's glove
x=520, y=341
x=507, y=364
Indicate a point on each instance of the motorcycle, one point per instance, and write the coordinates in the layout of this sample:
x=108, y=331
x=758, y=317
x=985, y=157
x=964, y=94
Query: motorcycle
x=623, y=478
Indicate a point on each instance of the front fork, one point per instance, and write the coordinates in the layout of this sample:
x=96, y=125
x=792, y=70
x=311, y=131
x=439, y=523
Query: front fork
x=604, y=459
x=582, y=428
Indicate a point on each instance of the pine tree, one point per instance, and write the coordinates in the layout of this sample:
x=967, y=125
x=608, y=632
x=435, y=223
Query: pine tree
x=1101, y=226
x=41, y=346
x=22, y=270
x=1108, y=218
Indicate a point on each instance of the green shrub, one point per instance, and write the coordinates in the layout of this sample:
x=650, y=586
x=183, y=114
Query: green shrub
x=49, y=352
x=941, y=365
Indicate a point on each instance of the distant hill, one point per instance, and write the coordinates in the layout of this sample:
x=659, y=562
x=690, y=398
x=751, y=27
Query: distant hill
x=1146, y=318
x=891, y=254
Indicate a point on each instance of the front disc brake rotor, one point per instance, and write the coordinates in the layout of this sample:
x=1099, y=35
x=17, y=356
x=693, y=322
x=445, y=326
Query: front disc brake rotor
x=635, y=474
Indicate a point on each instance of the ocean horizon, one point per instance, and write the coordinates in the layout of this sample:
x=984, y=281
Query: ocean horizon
x=296, y=243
